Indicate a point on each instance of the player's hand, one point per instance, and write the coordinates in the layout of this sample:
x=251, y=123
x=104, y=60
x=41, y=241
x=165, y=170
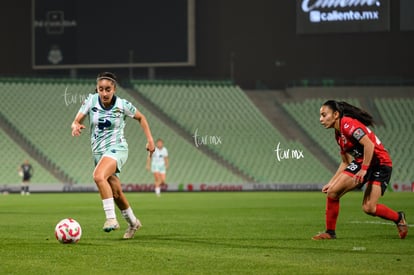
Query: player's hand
x=359, y=177
x=325, y=188
x=77, y=129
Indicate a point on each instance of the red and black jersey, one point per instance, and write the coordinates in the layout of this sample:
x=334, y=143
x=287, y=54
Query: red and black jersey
x=351, y=132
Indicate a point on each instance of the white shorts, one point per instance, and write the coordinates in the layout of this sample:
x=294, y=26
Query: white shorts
x=158, y=168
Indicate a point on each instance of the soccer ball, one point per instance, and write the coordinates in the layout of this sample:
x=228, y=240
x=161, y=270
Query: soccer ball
x=68, y=231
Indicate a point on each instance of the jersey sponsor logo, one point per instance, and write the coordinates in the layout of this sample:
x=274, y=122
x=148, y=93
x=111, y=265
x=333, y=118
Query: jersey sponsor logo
x=104, y=124
x=358, y=134
x=94, y=109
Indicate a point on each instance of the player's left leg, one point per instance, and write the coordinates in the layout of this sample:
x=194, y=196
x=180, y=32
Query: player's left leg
x=123, y=205
x=163, y=177
x=26, y=189
x=157, y=183
x=119, y=196
x=371, y=206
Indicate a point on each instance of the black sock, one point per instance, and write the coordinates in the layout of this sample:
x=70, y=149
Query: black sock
x=331, y=232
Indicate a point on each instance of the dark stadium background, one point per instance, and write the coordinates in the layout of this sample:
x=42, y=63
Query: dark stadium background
x=260, y=36
x=259, y=78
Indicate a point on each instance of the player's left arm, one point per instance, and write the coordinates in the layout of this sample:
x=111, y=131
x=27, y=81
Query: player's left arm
x=167, y=163
x=369, y=147
x=147, y=131
x=148, y=164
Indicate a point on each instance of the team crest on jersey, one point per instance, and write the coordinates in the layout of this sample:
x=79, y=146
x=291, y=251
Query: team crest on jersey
x=358, y=134
x=117, y=112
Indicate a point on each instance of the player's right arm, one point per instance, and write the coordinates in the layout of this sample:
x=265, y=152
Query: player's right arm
x=345, y=161
x=77, y=125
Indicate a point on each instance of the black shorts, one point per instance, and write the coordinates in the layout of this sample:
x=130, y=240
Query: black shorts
x=377, y=174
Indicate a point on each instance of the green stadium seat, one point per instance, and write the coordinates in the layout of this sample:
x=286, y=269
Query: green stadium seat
x=248, y=138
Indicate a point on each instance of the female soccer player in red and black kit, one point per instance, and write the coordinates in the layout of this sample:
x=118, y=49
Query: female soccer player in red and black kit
x=364, y=161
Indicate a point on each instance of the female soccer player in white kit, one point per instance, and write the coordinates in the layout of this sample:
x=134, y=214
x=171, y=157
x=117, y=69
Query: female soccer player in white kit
x=107, y=114
x=159, y=164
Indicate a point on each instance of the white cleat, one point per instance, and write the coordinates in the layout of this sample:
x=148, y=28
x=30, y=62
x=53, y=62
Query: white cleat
x=110, y=225
x=130, y=232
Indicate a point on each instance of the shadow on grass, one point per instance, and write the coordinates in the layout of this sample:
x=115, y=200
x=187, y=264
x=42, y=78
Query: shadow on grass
x=298, y=245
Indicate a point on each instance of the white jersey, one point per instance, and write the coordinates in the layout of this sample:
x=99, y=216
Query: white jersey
x=107, y=124
x=158, y=156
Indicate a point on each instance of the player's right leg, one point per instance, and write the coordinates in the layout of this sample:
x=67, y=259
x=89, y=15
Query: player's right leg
x=341, y=185
x=103, y=170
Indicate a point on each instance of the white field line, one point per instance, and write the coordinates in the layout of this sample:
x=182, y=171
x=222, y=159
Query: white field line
x=376, y=222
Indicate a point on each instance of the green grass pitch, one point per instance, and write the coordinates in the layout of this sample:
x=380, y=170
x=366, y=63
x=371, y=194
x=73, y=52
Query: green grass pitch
x=204, y=233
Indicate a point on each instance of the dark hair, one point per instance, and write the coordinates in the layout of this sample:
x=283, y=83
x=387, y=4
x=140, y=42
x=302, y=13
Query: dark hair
x=348, y=110
x=108, y=76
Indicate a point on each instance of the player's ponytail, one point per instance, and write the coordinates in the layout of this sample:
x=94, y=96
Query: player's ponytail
x=346, y=109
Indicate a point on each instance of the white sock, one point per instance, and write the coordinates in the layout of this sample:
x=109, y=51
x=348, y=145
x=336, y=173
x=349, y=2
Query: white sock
x=157, y=190
x=109, y=208
x=129, y=216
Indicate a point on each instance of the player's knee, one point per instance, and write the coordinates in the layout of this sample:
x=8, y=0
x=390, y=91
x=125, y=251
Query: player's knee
x=98, y=177
x=369, y=209
x=333, y=195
